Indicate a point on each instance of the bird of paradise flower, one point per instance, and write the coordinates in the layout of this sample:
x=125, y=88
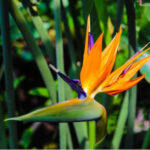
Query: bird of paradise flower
x=95, y=77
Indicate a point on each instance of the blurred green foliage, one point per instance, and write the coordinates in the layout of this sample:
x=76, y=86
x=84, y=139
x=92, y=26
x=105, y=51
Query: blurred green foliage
x=29, y=88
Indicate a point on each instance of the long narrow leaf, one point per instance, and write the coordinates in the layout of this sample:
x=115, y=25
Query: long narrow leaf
x=3, y=143
x=92, y=134
x=37, y=21
x=103, y=18
x=70, y=43
x=66, y=111
x=1, y=70
x=70, y=111
x=121, y=122
x=133, y=91
x=69, y=139
x=119, y=13
x=41, y=63
x=80, y=128
x=7, y=58
x=146, y=140
x=60, y=66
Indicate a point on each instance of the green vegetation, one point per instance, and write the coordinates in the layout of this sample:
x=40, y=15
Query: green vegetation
x=35, y=33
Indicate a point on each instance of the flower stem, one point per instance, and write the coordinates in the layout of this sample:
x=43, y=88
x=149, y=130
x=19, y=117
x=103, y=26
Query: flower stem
x=70, y=43
x=117, y=137
x=92, y=134
x=146, y=139
x=120, y=6
x=3, y=143
x=7, y=57
x=60, y=66
x=133, y=91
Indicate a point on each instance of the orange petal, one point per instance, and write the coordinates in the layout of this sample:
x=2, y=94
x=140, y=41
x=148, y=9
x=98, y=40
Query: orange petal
x=91, y=67
x=120, y=87
x=134, y=68
x=109, y=55
x=95, y=69
x=115, y=75
x=86, y=40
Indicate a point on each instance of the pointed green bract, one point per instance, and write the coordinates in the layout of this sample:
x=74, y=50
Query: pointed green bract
x=72, y=110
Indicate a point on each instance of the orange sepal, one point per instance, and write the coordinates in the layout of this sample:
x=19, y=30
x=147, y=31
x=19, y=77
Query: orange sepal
x=91, y=66
x=134, y=68
x=108, y=57
x=120, y=87
x=113, y=77
x=86, y=40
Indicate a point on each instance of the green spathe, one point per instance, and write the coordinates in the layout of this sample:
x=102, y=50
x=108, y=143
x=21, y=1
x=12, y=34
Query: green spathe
x=72, y=110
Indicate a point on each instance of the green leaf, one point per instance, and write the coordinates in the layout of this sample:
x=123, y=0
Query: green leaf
x=81, y=129
x=70, y=111
x=146, y=140
x=18, y=81
x=37, y=21
x=40, y=91
x=101, y=8
x=123, y=52
x=60, y=66
x=92, y=134
x=26, y=55
x=146, y=68
x=121, y=123
x=27, y=137
x=36, y=51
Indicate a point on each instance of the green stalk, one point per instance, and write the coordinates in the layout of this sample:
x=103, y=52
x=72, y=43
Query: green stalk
x=68, y=95
x=37, y=21
x=101, y=8
x=7, y=58
x=78, y=126
x=1, y=70
x=120, y=6
x=81, y=129
x=124, y=108
x=146, y=140
x=68, y=35
x=121, y=122
x=60, y=66
x=3, y=143
x=69, y=139
x=39, y=58
x=78, y=35
x=131, y=116
x=92, y=134
x=133, y=91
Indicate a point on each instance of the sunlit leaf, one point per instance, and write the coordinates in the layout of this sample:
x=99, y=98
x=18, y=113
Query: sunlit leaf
x=18, y=81
x=40, y=91
x=27, y=137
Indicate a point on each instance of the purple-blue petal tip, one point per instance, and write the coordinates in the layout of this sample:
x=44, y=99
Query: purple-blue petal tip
x=90, y=42
x=75, y=84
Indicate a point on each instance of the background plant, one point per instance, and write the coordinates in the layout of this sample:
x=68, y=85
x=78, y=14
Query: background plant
x=38, y=31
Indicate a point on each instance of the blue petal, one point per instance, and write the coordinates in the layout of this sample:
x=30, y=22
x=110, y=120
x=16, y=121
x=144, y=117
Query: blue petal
x=90, y=42
x=75, y=84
